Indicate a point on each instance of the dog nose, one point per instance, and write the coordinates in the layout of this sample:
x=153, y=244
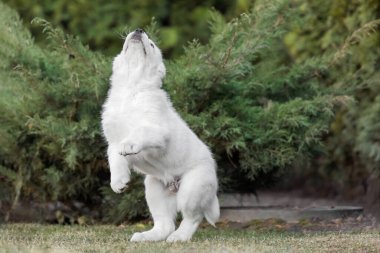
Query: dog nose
x=139, y=30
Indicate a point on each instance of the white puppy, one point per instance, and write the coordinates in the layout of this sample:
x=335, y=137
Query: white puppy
x=145, y=133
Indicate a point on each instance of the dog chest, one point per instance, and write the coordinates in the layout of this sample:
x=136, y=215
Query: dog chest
x=118, y=117
x=124, y=111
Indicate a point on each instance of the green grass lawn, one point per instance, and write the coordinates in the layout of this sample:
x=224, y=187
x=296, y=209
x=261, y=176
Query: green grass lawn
x=108, y=238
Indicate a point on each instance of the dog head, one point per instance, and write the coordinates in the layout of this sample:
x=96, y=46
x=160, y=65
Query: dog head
x=140, y=57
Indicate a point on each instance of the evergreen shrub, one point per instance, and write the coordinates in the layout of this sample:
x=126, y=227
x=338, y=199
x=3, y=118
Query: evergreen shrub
x=352, y=147
x=258, y=110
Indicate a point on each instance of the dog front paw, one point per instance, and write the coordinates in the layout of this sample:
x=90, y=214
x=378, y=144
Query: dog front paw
x=129, y=148
x=120, y=184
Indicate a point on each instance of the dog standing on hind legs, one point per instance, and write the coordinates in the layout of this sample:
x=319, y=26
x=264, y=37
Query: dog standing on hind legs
x=144, y=133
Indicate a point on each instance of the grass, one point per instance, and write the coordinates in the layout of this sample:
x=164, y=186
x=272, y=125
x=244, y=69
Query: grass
x=108, y=238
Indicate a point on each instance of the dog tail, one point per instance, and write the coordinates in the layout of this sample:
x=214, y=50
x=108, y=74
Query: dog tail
x=212, y=212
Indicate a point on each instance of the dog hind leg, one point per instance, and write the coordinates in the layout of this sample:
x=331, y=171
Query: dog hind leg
x=196, y=199
x=163, y=207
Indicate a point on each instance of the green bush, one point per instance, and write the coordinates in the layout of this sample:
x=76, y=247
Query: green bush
x=241, y=93
x=353, y=150
x=259, y=112
x=99, y=23
x=50, y=102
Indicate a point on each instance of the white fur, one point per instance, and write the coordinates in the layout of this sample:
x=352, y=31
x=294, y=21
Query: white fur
x=139, y=122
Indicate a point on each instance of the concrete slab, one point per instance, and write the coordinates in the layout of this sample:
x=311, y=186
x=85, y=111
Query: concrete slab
x=247, y=207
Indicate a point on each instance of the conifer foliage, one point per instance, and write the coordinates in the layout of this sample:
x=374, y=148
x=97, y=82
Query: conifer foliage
x=258, y=111
x=352, y=160
x=50, y=102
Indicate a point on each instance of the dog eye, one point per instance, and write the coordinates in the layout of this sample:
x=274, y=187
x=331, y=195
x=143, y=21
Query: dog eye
x=152, y=45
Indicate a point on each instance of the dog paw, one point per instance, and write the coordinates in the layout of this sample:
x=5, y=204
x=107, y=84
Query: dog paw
x=120, y=184
x=146, y=236
x=178, y=237
x=129, y=148
x=138, y=237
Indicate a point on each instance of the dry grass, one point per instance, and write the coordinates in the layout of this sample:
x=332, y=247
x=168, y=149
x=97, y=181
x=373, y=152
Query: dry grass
x=107, y=238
